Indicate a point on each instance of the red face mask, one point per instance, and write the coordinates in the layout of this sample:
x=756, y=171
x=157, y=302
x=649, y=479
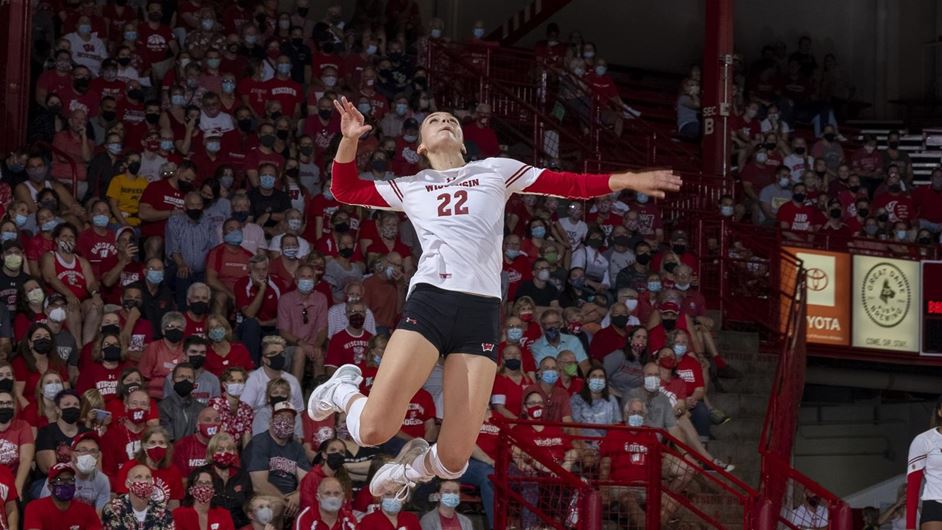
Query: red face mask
x=667, y=362
x=208, y=430
x=144, y=490
x=535, y=412
x=156, y=453
x=526, y=317
x=226, y=460
x=137, y=416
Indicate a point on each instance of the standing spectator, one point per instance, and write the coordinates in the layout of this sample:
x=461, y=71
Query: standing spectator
x=138, y=507
x=257, y=298
x=178, y=409
x=59, y=510
x=276, y=461
x=480, y=134
x=384, y=291
x=302, y=321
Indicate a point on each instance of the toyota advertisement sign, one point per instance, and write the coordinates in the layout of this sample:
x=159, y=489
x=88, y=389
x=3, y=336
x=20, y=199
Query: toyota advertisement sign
x=827, y=276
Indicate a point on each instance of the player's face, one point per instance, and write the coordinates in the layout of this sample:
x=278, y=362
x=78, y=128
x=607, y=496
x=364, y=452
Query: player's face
x=440, y=131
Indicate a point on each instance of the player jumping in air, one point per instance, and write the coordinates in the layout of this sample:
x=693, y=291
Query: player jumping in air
x=453, y=305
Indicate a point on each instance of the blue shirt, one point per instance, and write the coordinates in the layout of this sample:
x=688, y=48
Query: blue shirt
x=542, y=349
x=191, y=239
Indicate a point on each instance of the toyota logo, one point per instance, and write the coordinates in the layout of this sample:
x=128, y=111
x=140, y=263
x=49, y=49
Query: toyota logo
x=817, y=279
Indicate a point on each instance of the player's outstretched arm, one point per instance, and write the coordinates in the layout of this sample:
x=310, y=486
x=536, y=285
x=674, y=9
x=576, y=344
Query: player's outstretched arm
x=654, y=183
x=346, y=184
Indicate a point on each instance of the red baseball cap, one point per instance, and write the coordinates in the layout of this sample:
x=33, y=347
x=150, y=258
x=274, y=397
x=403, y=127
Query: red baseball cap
x=59, y=469
x=669, y=306
x=87, y=435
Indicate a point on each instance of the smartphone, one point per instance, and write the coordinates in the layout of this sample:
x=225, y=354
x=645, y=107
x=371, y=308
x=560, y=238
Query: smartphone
x=101, y=415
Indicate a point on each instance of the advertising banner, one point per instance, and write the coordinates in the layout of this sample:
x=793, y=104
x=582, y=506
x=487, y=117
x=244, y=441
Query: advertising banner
x=886, y=306
x=827, y=280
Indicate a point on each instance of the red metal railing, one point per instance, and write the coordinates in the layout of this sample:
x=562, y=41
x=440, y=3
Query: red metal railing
x=672, y=481
x=15, y=95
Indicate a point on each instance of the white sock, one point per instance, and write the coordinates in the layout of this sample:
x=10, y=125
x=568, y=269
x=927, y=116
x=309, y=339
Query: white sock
x=353, y=420
x=438, y=469
x=343, y=393
x=417, y=471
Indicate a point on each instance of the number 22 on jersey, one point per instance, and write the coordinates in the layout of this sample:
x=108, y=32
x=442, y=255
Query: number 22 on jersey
x=459, y=197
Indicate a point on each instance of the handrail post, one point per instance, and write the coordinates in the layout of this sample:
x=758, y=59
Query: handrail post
x=652, y=517
x=500, y=477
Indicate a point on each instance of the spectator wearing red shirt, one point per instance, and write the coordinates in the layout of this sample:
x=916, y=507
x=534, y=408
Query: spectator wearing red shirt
x=156, y=452
x=80, y=95
x=515, y=264
x=328, y=462
x=257, y=299
x=198, y=504
x=349, y=345
x=285, y=90
x=796, y=218
x=648, y=216
x=189, y=452
x=555, y=398
x=507, y=395
x=757, y=174
x=867, y=162
x=328, y=512
x=122, y=441
x=322, y=127
x=227, y=263
x=17, y=441
x=263, y=154
x=480, y=133
x=161, y=199
x=897, y=204
x=97, y=243
x=109, y=360
x=378, y=104
x=552, y=442
x=569, y=379
x=390, y=516
x=419, y=421
x=389, y=241
x=603, y=87
x=611, y=337
x=9, y=495
x=927, y=201
x=384, y=291
x=60, y=510
x=156, y=44
x=690, y=371
x=77, y=147
x=56, y=81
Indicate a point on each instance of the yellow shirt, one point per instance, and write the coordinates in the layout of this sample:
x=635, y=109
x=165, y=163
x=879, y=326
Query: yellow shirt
x=127, y=191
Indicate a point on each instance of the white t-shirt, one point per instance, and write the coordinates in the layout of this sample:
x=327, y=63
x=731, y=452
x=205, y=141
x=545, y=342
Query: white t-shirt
x=220, y=124
x=797, y=165
x=575, y=230
x=925, y=453
x=459, y=218
x=89, y=54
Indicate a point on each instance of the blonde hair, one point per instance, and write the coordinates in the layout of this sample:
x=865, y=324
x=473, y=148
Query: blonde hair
x=213, y=446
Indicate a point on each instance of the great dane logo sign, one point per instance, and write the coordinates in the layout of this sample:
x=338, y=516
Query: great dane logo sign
x=886, y=294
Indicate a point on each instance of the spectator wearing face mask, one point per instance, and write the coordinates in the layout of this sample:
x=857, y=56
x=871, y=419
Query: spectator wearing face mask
x=796, y=219
x=349, y=345
x=555, y=399
x=91, y=485
x=155, y=450
x=611, y=337
x=61, y=509
x=553, y=341
x=894, y=199
x=190, y=452
x=595, y=404
x=275, y=460
x=329, y=509
x=160, y=355
x=539, y=286
x=274, y=363
x=829, y=148
x=57, y=437
x=384, y=291
x=329, y=462
x=893, y=155
x=445, y=516
x=772, y=197
x=927, y=202
x=480, y=133
x=179, y=409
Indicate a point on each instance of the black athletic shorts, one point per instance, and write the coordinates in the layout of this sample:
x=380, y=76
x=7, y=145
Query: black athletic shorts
x=454, y=322
x=931, y=511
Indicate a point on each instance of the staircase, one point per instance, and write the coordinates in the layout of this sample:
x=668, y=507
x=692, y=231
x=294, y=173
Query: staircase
x=525, y=21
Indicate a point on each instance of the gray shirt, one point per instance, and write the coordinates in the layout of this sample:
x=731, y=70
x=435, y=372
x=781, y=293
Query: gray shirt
x=624, y=375
x=94, y=491
x=207, y=387
x=660, y=414
x=600, y=412
x=66, y=348
x=432, y=521
x=178, y=415
x=775, y=196
x=338, y=277
x=191, y=239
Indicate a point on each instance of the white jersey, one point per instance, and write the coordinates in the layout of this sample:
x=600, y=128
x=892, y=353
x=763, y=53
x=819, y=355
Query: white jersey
x=458, y=216
x=925, y=453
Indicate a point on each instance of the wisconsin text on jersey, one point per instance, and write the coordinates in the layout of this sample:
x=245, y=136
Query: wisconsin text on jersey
x=469, y=184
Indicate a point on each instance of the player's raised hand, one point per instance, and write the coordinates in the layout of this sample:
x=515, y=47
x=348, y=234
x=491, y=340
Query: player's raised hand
x=655, y=183
x=352, y=123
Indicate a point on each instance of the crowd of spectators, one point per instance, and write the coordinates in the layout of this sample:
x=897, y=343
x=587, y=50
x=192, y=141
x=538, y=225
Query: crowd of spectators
x=176, y=276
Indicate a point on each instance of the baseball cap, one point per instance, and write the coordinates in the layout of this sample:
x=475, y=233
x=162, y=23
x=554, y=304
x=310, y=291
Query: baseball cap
x=55, y=298
x=87, y=435
x=59, y=469
x=669, y=306
x=282, y=406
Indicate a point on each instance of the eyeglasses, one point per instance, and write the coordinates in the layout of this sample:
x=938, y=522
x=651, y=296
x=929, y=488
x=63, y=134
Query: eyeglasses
x=62, y=481
x=304, y=314
x=95, y=452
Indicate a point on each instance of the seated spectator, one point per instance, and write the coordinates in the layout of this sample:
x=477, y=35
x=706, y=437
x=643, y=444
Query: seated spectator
x=623, y=366
x=60, y=509
x=796, y=219
x=124, y=510
x=302, y=321
x=271, y=368
x=190, y=452
x=555, y=400
x=71, y=276
x=224, y=351
x=773, y=196
x=17, y=441
x=122, y=441
x=569, y=379
x=927, y=201
x=390, y=514
x=892, y=199
x=635, y=276
x=329, y=463
x=161, y=356
x=867, y=162
x=611, y=337
x=337, y=314
x=233, y=487
x=479, y=133
x=445, y=514
x=53, y=442
x=329, y=510
x=156, y=452
x=829, y=148
x=275, y=460
x=418, y=423
x=349, y=345
x=179, y=409
x=197, y=504
x=235, y=417
x=509, y=384
x=594, y=404
x=43, y=411
x=91, y=485
x=228, y=263
x=688, y=110
x=553, y=341
x=206, y=384
x=894, y=156
x=257, y=299
x=384, y=291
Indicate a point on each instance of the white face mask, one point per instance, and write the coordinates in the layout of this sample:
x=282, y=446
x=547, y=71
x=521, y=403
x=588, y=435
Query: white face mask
x=86, y=463
x=631, y=304
x=652, y=383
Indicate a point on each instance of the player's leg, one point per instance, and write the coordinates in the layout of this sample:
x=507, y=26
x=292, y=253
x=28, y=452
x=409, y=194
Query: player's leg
x=407, y=363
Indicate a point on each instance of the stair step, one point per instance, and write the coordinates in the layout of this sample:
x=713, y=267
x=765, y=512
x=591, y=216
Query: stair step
x=738, y=341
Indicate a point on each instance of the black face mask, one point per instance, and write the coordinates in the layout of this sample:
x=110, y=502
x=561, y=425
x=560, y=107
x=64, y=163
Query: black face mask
x=924, y=240
x=111, y=353
x=152, y=118
x=192, y=213
x=134, y=167
x=267, y=140
x=197, y=361
x=297, y=42
x=70, y=415
x=830, y=137
x=835, y=214
x=512, y=364
x=620, y=321
x=184, y=185
x=136, y=94
x=199, y=308
x=800, y=150
x=245, y=124
x=111, y=328
x=669, y=323
x=670, y=266
x=345, y=253
x=770, y=146
x=324, y=114
x=81, y=84
x=183, y=388
x=6, y=414
x=282, y=134
x=679, y=249
x=306, y=150
x=798, y=197
x=42, y=345
x=892, y=145
x=863, y=212
x=335, y=460
x=277, y=362
x=274, y=400
x=594, y=242
x=6, y=385
x=174, y=335
x=154, y=16
x=643, y=259
x=130, y=304
x=883, y=218
x=341, y=227
x=854, y=189
x=108, y=115
x=124, y=61
x=621, y=241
